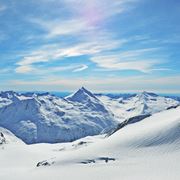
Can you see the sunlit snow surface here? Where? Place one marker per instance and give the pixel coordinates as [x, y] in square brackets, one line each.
[149, 150]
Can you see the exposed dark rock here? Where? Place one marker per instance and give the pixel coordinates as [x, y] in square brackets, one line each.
[127, 122]
[88, 161]
[106, 159]
[172, 107]
[2, 138]
[44, 163]
[100, 159]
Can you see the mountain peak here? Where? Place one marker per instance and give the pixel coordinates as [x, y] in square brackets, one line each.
[81, 95]
[146, 96]
[145, 93]
[83, 88]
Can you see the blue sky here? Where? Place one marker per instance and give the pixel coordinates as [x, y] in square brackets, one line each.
[104, 45]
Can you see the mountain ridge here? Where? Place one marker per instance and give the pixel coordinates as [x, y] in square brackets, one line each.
[47, 118]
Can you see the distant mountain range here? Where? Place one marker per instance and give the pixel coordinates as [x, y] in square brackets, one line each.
[144, 103]
[42, 117]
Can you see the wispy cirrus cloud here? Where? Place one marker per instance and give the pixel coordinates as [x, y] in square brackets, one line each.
[87, 26]
[54, 28]
[82, 68]
[95, 11]
[100, 52]
[128, 60]
[55, 52]
[40, 70]
[25, 69]
[82, 17]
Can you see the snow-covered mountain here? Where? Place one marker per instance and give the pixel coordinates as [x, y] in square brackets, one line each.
[87, 99]
[140, 104]
[45, 118]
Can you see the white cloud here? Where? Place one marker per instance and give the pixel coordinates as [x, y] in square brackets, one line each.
[54, 52]
[34, 58]
[127, 60]
[55, 28]
[24, 69]
[82, 68]
[97, 10]
[84, 22]
[137, 52]
[40, 70]
[98, 50]
[82, 17]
